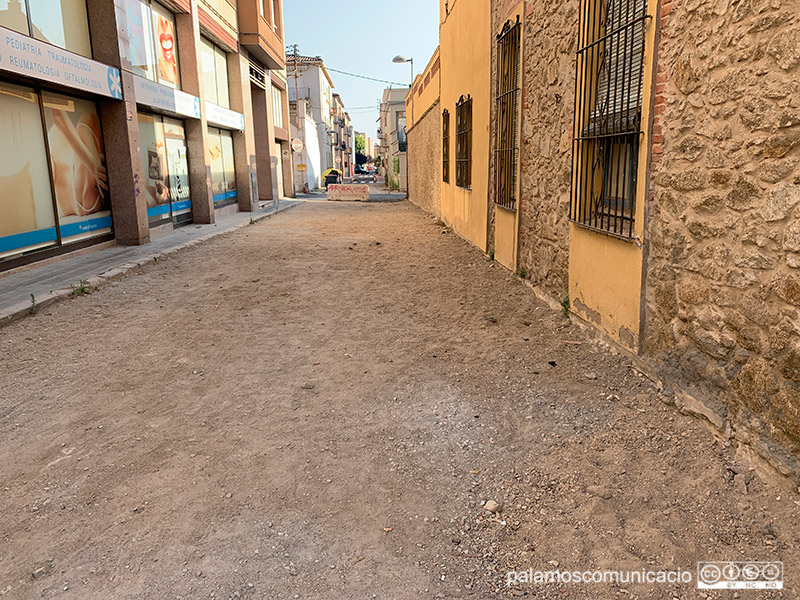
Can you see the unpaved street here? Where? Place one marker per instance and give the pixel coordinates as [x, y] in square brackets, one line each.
[316, 406]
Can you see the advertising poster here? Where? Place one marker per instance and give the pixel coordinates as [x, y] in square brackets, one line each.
[137, 35]
[77, 158]
[154, 166]
[143, 59]
[178, 167]
[165, 42]
[217, 166]
[26, 202]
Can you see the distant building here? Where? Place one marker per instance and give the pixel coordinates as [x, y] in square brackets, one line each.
[342, 138]
[311, 85]
[392, 137]
[369, 145]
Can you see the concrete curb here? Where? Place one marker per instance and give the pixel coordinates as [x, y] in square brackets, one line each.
[24, 309]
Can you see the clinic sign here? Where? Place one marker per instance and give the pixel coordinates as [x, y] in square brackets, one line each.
[152, 94]
[223, 117]
[24, 55]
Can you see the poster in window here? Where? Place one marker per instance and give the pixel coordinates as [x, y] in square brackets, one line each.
[178, 166]
[165, 40]
[216, 160]
[137, 36]
[26, 202]
[77, 159]
[154, 166]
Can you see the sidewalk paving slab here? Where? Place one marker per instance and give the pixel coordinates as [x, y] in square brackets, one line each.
[53, 281]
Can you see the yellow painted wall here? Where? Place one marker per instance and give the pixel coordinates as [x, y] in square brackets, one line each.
[605, 274]
[505, 239]
[426, 95]
[605, 283]
[465, 52]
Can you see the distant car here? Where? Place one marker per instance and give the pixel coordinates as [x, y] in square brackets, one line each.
[360, 170]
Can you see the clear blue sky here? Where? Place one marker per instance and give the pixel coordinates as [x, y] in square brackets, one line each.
[362, 38]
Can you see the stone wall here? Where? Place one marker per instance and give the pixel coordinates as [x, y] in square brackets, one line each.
[723, 230]
[550, 33]
[425, 161]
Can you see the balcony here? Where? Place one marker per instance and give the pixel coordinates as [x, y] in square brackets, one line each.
[259, 36]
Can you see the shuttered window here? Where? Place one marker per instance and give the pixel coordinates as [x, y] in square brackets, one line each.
[619, 88]
[446, 146]
[464, 142]
[608, 114]
[507, 117]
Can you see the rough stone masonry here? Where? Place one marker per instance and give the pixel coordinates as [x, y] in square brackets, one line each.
[722, 233]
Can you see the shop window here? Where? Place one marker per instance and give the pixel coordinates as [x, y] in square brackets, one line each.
[446, 146]
[166, 172]
[223, 172]
[77, 163]
[153, 46]
[15, 16]
[63, 23]
[215, 73]
[507, 121]
[54, 182]
[26, 198]
[277, 106]
[610, 70]
[464, 142]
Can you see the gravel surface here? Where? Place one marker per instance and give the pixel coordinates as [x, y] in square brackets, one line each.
[349, 401]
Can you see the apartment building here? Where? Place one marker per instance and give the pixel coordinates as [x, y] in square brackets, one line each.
[392, 138]
[638, 163]
[126, 118]
[342, 138]
[311, 89]
[369, 144]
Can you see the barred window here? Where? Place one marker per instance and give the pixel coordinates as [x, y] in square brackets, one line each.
[446, 146]
[507, 123]
[464, 142]
[608, 114]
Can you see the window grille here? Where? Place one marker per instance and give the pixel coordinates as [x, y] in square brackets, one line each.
[464, 142]
[446, 146]
[608, 114]
[507, 124]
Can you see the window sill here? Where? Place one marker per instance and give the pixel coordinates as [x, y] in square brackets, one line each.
[611, 234]
[509, 209]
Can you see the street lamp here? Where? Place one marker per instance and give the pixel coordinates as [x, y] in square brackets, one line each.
[399, 59]
[402, 59]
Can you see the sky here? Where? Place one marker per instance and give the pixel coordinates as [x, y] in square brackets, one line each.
[362, 38]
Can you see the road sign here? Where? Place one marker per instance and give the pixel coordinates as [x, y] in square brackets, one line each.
[301, 167]
[297, 145]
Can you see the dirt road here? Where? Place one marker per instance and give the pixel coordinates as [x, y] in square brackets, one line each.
[317, 406]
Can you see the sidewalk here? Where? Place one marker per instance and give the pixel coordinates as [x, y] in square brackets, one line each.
[53, 281]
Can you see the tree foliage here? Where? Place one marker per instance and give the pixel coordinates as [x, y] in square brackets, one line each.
[361, 144]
